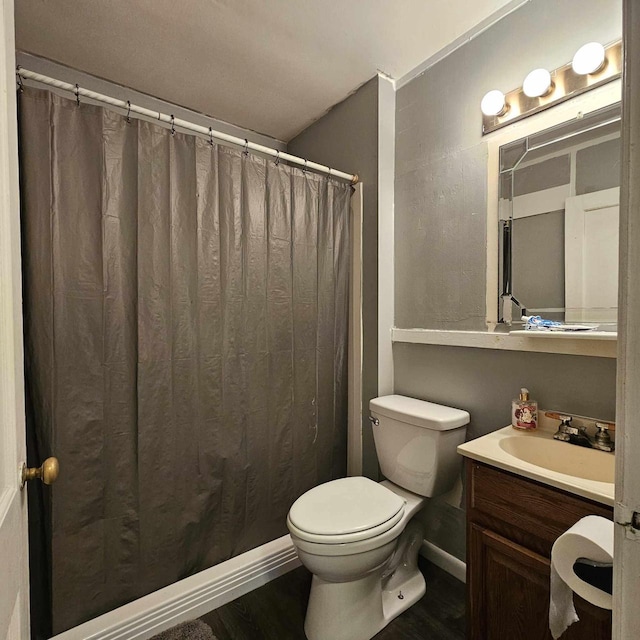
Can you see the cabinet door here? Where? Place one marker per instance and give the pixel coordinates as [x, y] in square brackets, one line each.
[509, 594]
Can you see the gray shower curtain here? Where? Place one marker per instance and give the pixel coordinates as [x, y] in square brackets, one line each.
[186, 311]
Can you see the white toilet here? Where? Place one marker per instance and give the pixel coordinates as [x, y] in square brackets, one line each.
[355, 535]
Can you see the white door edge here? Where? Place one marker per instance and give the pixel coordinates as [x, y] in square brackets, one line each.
[14, 569]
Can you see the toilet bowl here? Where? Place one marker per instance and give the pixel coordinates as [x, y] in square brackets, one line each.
[358, 537]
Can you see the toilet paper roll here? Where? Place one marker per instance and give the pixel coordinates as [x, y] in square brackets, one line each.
[562, 613]
[591, 538]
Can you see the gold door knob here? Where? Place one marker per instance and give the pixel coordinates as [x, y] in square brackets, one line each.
[48, 472]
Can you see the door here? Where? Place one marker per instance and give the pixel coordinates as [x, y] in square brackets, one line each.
[591, 256]
[14, 583]
[626, 551]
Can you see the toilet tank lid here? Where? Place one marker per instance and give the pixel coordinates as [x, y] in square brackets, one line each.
[419, 412]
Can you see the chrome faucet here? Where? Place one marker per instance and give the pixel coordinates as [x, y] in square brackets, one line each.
[603, 439]
[565, 430]
[574, 435]
[579, 436]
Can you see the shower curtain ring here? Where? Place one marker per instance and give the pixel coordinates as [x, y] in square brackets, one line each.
[277, 162]
[211, 136]
[19, 80]
[128, 112]
[246, 147]
[173, 125]
[329, 173]
[304, 169]
[77, 92]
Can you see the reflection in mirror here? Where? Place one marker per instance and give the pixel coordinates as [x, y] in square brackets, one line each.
[559, 207]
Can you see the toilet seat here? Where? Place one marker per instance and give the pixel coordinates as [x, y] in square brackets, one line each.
[345, 511]
[348, 548]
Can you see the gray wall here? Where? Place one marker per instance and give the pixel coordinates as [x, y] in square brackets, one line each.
[440, 218]
[347, 138]
[598, 167]
[483, 382]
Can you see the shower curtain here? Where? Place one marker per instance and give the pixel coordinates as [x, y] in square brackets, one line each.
[186, 311]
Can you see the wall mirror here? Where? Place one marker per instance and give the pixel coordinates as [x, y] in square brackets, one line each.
[558, 211]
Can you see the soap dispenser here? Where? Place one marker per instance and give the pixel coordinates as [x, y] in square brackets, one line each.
[524, 412]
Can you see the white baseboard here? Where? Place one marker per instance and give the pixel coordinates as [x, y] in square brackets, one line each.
[444, 560]
[192, 597]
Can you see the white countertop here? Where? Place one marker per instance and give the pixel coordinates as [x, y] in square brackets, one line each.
[493, 448]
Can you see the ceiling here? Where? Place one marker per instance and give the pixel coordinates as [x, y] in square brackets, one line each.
[271, 66]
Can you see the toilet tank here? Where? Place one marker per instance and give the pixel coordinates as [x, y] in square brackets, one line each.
[416, 442]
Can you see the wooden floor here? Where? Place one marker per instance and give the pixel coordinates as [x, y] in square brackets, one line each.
[276, 611]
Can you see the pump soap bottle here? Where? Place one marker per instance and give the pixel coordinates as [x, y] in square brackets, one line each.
[524, 412]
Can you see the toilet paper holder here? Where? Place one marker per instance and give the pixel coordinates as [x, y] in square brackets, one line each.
[597, 574]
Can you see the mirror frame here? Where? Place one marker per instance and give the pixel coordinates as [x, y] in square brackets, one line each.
[585, 103]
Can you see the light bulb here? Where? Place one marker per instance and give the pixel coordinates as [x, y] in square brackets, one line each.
[588, 59]
[537, 83]
[493, 103]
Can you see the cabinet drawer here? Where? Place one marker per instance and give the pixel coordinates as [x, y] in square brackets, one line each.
[534, 509]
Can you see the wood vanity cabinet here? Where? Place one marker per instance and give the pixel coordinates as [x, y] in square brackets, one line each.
[512, 523]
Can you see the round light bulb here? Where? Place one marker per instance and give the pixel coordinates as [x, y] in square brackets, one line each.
[588, 59]
[537, 83]
[493, 103]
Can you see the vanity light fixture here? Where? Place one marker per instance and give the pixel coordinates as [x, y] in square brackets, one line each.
[537, 84]
[589, 59]
[494, 103]
[592, 66]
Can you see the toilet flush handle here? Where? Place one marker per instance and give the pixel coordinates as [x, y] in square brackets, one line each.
[374, 421]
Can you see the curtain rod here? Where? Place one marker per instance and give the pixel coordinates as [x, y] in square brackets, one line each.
[184, 124]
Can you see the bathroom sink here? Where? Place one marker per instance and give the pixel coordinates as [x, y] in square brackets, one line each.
[562, 457]
[536, 455]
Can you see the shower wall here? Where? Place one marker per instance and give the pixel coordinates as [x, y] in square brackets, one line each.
[186, 311]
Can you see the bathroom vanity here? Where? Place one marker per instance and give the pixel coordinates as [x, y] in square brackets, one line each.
[515, 512]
